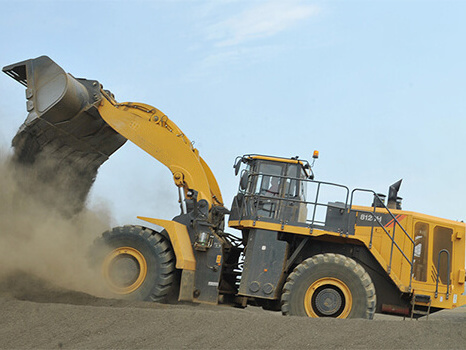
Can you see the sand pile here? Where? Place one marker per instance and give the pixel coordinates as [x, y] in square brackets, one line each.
[50, 317]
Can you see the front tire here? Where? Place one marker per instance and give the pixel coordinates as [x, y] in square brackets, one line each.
[329, 285]
[137, 263]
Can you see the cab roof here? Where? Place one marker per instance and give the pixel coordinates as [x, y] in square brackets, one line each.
[292, 160]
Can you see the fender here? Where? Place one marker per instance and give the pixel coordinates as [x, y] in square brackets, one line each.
[180, 241]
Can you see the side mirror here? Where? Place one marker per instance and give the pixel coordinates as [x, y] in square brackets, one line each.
[243, 183]
[237, 165]
[309, 172]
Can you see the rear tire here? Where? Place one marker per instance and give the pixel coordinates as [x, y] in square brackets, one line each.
[329, 285]
[137, 263]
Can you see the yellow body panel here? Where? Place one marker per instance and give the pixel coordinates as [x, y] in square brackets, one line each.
[381, 249]
[180, 241]
[156, 134]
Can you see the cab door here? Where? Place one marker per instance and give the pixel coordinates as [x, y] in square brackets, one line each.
[433, 257]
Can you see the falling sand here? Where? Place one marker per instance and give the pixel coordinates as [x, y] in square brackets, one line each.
[37, 238]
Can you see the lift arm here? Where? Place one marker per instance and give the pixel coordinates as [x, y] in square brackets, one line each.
[155, 133]
[79, 124]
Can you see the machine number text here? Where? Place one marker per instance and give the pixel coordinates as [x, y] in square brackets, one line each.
[370, 217]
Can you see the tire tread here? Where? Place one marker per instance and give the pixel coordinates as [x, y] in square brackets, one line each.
[161, 289]
[330, 258]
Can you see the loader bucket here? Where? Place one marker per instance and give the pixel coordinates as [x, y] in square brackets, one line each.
[64, 139]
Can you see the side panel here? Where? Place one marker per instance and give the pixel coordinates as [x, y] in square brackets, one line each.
[263, 265]
[208, 273]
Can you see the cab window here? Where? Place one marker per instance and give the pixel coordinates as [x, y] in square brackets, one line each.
[268, 180]
[421, 240]
[291, 186]
[442, 241]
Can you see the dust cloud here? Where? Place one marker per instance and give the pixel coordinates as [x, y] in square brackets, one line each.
[38, 239]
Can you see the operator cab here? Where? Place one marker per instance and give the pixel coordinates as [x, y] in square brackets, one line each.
[271, 189]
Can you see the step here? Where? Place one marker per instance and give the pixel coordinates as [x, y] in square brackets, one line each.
[421, 299]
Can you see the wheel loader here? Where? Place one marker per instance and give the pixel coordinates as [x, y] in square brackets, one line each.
[300, 245]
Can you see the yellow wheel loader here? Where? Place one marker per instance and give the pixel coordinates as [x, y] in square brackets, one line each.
[303, 246]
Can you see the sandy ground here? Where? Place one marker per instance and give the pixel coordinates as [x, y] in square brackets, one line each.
[38, 315]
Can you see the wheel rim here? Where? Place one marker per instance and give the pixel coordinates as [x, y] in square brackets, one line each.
[328, 297]
[125, 269]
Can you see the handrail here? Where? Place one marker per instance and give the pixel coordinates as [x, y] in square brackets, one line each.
[392, 237]
[281, 199]
[384, 207]
[348, 204]
[438, 272]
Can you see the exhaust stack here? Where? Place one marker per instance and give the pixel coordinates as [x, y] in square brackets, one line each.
[394, 202]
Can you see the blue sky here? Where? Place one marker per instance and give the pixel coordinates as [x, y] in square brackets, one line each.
[378, 87]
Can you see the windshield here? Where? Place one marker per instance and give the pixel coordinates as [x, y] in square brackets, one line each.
[268, 181]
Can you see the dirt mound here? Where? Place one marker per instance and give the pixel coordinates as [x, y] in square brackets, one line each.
[30, 325]
[23, 286]
[40, 314]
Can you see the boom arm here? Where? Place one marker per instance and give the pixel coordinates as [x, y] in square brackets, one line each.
[80, 125]
[156, 134]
